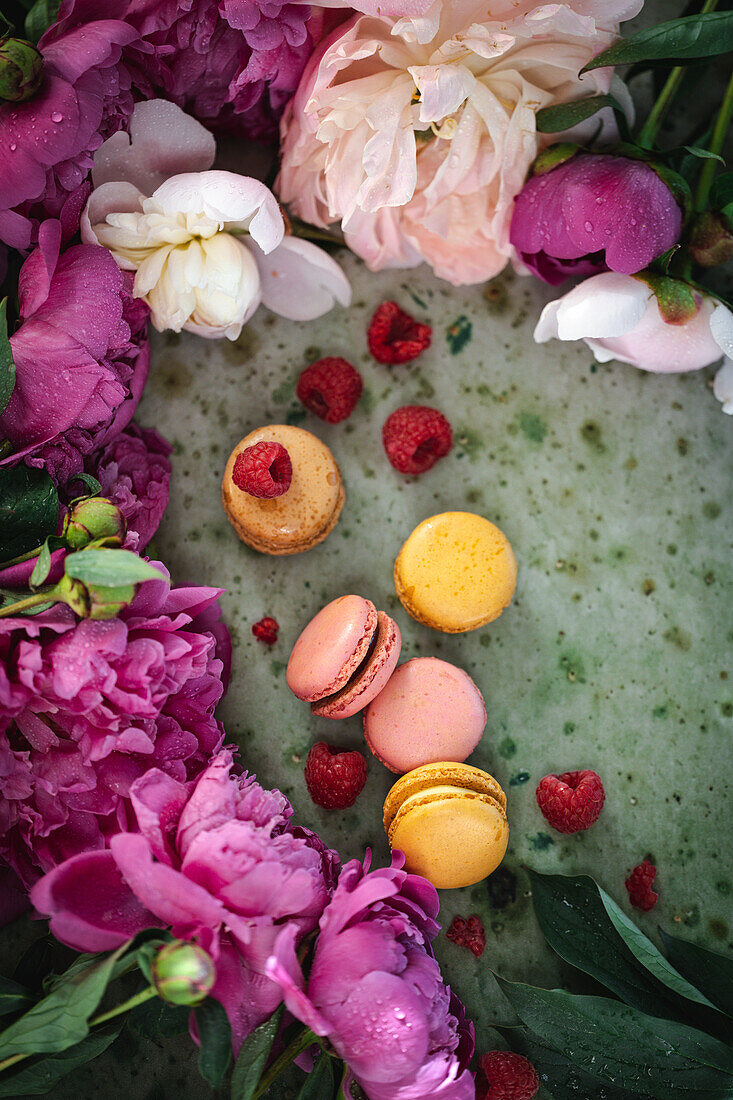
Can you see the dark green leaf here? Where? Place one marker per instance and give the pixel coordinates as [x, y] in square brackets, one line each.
[60, 1019]
[7, 365]
[146, 954]
[29, 510]
[109, 568]
[39, 1078]
[216, 1041]
[13, 997]
[678, 40]
[711, 972]
[321, 1081]
[558, 1074]
[94, 486]
[620, 1046]
[662, 262]
[551, 120]
[42, 957]
[722, 191]
[42, 567]
[157, 1020]
[40, 17]
[253, 1057]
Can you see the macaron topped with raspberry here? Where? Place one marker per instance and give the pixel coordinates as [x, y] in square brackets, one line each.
[282, 490]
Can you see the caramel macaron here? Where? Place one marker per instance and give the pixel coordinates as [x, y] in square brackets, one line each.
[450, 822]
[303, 516]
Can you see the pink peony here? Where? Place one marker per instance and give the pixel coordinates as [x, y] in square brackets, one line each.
[47, 142]
[134, 472]
[217, 861]
[87, 707]
[417, 133]
[594, 204]
[81, 356]
[376, 990]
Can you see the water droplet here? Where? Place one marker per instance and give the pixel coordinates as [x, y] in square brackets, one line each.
[589, 227]
[13, 146]
[56, 116]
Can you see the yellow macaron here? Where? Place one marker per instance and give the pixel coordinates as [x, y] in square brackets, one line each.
[455, 572]
[450, 821]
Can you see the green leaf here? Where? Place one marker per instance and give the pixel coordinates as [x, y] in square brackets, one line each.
[157, 1020]
[40, 17]
[94, 486]
[7, 364]
[216, 1041]
[678, 40]
[39, 1078]
[29, 510]
[711, 972]
[42, 567]
[60, 1019]
[13, 996]
[619, 1046]
[703, 154]
[109, 568]
[253, 1057]
[551, 120]
[557, 1073]
[722, 191]
[321, 1081]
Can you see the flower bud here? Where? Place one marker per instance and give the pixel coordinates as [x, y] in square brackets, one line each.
[183, 973]
[21, 69]
[93, 518]
[711, 240]
[93, 601]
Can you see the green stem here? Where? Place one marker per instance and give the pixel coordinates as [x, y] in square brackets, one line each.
[301, 1042]
[44, 596]
[21, 558]
[11, 1061]
[717, 141]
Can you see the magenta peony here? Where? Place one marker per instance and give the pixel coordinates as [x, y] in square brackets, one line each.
[594, 203]
[47, 142]
[217, 861]
[81, 356]
[375, 988]
[134, 472]
[88, 707]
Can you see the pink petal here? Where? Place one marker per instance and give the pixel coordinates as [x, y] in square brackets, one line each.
[158, 800]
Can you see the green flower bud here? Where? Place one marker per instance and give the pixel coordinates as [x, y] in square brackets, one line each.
[74, 594]
[21, 69]
[94, 518]
[93, 601]
[183, 973]
[711, 240]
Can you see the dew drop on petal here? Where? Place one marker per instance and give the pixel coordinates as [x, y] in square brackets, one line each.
[56, 116]
[589, 227]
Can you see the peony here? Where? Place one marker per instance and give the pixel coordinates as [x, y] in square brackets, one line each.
[617, 208]
[47, 142]
[218, 862]
[417, 133]
[206, 246]
[80, 354]
[375, 989]
[134, 472]
[723, 384]
[619, 317]
[88, 707]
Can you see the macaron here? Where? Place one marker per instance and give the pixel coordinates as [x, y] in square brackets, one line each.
[450, 822]
[456, 572]
[429, 710]
[303, 516]
[344, 657]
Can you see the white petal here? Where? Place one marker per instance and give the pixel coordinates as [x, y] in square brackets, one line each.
[546, 328]
[443, 89]
[723, 386]
[300, 281]
[602, 306]
[110, 198]
[721, 327]
[231, 200]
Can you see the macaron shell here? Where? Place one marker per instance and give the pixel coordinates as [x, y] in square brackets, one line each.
[429, 711]
[300, 518]
[371, 678]
[331, 648]
[455, 572]
[442, 773]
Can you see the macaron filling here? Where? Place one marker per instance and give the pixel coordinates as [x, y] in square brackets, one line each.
[431, 795]
[369, 677]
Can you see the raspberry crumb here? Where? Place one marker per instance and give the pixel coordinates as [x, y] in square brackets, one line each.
[572, 801]
[334, 778]
[468, 932]
[263, 470]
[504, 1075]
[396, 337]
[266, 630]
[330, 388]
[415, 437]
[639, 885]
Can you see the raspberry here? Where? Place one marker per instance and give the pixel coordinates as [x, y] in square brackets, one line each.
[508, 1076]
[415, 437]
[396, 337]
[263, 470]
[572, 801]
[639, 885]
[330, 388]
[468, 932]
[334, 779]
[266, 630]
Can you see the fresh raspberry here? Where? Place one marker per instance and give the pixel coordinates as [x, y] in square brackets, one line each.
[415, 437]
[572, 801]
[330, 388]
[507, 1076]
[468, 932]
[396, 337]
[639, 885]
[334, 779]
[266, 630]
[263, 470]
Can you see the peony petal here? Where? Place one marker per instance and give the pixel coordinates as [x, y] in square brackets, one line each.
[605, 305]
[283, 967]
[723, 386]
[158, 800]
[233, 201]
[721, 327]
[300, 281]
[110, 198]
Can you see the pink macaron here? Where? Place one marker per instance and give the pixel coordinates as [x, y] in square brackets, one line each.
[429, 711]
[344, 657]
